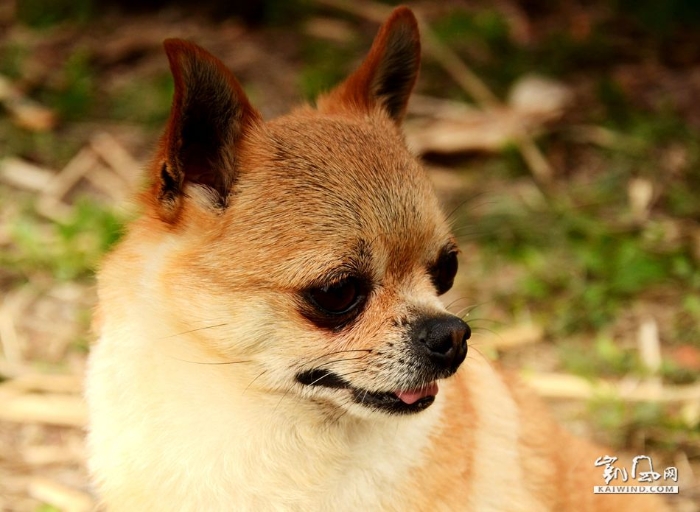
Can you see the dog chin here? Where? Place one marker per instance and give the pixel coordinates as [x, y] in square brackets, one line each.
[401, 401]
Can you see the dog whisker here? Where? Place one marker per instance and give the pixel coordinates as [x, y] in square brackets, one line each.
[339, 375]
[252, 381]
[336, 352]
[468, 229]
[193, 330]
[342, 360]
[282, 398]
[458, 299]
[483, 319]
[472, 201]
[468, 309]
[364, 396]
[480, 330]
[215, 362]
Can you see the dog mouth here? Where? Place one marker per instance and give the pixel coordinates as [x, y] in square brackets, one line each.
[401, 401]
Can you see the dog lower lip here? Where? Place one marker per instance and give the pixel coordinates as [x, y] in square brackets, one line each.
[397, 402]
[391, 402]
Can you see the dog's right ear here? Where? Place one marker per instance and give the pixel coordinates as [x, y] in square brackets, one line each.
[388, 73]
[209, 115]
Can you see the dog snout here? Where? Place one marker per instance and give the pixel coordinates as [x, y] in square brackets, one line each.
[443, 340]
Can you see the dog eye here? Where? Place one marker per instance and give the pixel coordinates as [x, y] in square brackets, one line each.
[339, 298]
[443, 272]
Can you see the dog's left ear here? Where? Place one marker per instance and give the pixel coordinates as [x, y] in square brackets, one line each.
[388, 73]
[209, 117]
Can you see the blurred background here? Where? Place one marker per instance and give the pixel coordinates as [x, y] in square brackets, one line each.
[562, 137]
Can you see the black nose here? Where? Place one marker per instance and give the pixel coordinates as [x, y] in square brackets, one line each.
[444, 340]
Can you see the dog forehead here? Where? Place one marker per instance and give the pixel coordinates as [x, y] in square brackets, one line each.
[356, 170]
[362, 147]
[313, 181]
[353, 161]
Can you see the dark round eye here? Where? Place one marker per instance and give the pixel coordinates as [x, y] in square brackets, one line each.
[444, 271]
[338, 298]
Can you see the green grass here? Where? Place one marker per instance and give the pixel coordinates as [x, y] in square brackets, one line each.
[326, 64]
[12, 59]
[64, 251]
[603, 358]
[581, 265]
[74, 94]
[43, 14]
[47, 508]
[641, 425]
[145, 102]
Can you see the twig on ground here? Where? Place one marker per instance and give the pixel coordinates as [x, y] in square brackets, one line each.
[516, 336]
[50, 203]
[117, 158]
[47, 455]
[45, 382]
[558, 385]
[60, 496]
[51, 409]
[22, 174]
[108, 182]
[649, 345]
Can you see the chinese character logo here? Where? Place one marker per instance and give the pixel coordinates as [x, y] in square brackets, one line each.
[642, 470]
[644, 476]
[610, 472]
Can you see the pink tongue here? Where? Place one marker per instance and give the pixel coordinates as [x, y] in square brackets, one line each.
[412, 396]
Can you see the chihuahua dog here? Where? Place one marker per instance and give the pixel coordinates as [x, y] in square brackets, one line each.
[270, 332]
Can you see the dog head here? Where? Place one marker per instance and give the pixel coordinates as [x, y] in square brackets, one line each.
[312, 243]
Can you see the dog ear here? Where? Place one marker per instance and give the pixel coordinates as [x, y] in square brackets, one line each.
[209, 115]
[388, 73]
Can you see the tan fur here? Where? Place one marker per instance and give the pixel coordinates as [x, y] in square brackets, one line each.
[192, 392]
